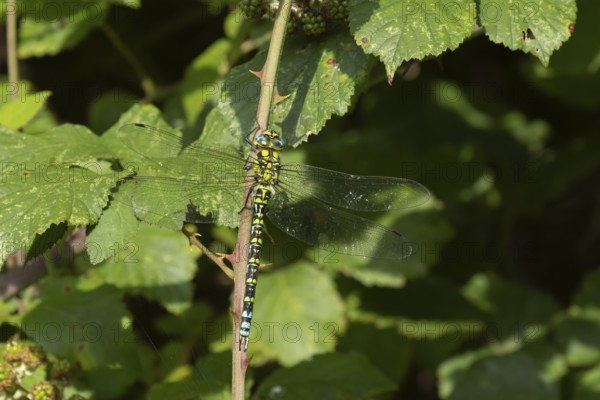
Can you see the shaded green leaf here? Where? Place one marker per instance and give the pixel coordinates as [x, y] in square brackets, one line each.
[587, 300]
[411, 310]
[155, 263]
[478, 375]
[319, 77]
[332, 376]
[42, 122]
[52, 28]
[201, 80]
[587, 386]
[516, 313]
[46, 240]
[209, 380]
[400, 30]
[128, 3]
[392, 354]
[62, 323]
[427, 231]
[580, 340]
[107, 108]
[536, 27]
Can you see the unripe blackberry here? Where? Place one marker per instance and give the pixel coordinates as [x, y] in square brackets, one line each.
[252, 9]
[312, 23]
[42, 391]
[337, 9]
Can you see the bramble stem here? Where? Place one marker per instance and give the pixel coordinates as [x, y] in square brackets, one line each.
[268, 76]
[205, 251]
[11, 46]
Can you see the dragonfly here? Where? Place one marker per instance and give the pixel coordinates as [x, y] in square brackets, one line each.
[200, 183]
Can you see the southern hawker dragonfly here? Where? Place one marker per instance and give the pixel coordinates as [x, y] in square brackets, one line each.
[202, 184]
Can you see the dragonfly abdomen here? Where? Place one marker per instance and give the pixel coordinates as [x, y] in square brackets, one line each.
[260, 199]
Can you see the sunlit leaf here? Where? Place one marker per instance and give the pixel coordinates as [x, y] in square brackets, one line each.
[537, 27]
[400, 30]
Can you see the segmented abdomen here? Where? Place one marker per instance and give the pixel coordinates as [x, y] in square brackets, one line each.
[261, 197]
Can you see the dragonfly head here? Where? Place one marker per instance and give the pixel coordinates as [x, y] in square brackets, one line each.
[269, 139]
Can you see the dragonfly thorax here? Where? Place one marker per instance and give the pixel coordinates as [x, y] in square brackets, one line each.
[267, 163]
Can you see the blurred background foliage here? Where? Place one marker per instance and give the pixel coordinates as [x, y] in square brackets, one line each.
[499, 301]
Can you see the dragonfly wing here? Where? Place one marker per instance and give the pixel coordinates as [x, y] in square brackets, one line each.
[149, 141]
[195, 184]
[354, 192]
[165, 151]
[334, 230]
[169, 202]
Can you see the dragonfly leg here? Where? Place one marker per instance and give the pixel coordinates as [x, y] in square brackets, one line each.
[264, 265]
[256, 128]
[246, 206]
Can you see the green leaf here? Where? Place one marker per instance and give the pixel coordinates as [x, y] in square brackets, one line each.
[580, 340]
[451, 371]
[194, 322]
[332, 376]
[579, 57]
[201, 80]
[210, 380]
[393, 352]
[319, 77]
[411, 310]
[112, 380]
[37, 375]
[46, 240]
[435, 328]
[515, 311]
[136, 4]
[16, 113]
[107, 108]
[423, 226]
[291, 322]
[586, 303]
[62, 323]
[587, 386]
[481, 375]
[155, 202]
[42, 122]
[400, 30]
[113, 232]
[538, 27]
[157, 264]
[159, 202]
[146, 114]
[53, 27]
[46, 182]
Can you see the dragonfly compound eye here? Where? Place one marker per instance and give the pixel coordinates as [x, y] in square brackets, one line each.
[278, 144]
[262, 140]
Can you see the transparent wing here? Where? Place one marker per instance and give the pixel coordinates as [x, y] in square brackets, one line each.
[165, 150]
[169, 202]
[334, 230]
[354, 192]
[198, 184]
